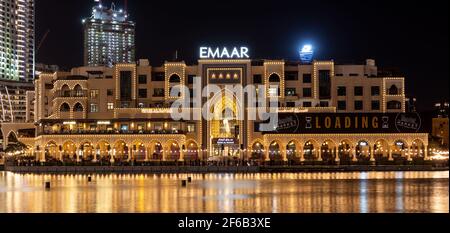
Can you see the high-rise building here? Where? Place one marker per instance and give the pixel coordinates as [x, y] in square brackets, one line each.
[17, 40]
[16, 102]
[441, 109]
[109, 37]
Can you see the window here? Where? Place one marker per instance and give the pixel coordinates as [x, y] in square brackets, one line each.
[290, 104]
[158, 77]
[307, 92]
[125, 85]
[273, 91]
[375, 105]
[124, 127]
[110, 92]
[342, 105]
[375, 91]
[307, 104]
[324, 84]
[158, 92]
[257, 79]
[174, 79]
[324, 104]
[290, 92]
[79, 91]
[291, 75]
[142, 93]
[307, 78]
[142, 79]
[191, 128]
[359, 91]
[110, 106]
[394, 105]
[359, 105]
[191, 79]
[124, 105]
[94, 108]
[393, 90]
[342, 91]
[94, 94]
[78, 108]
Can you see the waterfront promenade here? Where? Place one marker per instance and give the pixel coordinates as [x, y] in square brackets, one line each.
[212, 169]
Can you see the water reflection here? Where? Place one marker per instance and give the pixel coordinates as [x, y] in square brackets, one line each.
[360, 192]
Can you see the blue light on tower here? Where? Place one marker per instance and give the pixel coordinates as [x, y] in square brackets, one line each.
[307, 53]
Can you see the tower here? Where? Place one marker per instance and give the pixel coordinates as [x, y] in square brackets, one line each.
[109, 37]
[17, 42]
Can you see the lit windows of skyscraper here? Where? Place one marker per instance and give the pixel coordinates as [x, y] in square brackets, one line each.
[17, 40]
[108, 37]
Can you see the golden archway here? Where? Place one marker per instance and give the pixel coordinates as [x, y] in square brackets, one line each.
[225, 117]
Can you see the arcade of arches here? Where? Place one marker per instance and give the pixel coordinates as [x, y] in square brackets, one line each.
[76, 149]
[326, 148]
[341, 148]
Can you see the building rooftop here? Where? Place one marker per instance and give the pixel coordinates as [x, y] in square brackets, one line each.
[103, 13]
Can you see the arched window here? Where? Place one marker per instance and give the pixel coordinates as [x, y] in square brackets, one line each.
[174, 79]
[274, 78]
[64, 107]
[78, 91]
[394, 105]
[65, 91]
[78, 108]
[12, 138]
[393, 90]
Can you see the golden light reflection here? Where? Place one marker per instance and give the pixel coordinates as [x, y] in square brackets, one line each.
[377, 192]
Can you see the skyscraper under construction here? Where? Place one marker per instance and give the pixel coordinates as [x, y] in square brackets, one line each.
[109, 37]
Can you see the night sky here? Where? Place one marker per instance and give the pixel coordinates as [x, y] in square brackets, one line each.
[412, 36]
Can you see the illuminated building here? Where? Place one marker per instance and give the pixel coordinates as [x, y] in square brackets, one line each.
[440, 123]
[16, 102]
[109, 37]
[17, 40]
[344, 112]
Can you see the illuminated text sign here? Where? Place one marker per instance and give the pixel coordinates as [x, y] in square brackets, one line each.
[224, 53]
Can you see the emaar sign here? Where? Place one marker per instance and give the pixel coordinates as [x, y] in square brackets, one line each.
[224, 53]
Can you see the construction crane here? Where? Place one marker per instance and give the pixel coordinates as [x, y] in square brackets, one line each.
[42, 40]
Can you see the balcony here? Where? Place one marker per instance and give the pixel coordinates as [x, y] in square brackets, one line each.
[71, 94]
[109, 132]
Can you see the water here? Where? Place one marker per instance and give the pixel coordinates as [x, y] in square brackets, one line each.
[358, 192]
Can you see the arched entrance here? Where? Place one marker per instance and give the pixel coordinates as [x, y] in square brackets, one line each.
[69, 151]
[275, 151]
[139, 152]
[309, 150]
[293, 151]
[191, 152]
[156, 151]
[328, 152]
[225, 126]
[399, 150]
[120, 151]
[257, 153]
[381, 150]
[88, 151]
[417, 150]
[345, 152]
[174, 151]
[363, 151]
[52, 151]
[103, 152]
